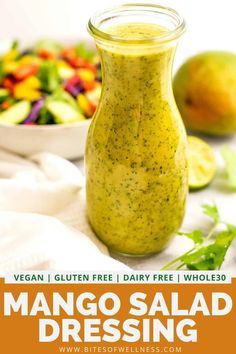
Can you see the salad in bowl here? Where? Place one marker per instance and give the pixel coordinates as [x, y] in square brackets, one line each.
[48, 93]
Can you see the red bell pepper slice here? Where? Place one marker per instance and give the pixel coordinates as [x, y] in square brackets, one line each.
[24, 71]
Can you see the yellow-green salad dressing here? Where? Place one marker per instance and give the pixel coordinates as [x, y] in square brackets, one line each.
[136, 164]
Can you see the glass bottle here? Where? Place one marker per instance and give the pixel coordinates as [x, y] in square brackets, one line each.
[136, 164]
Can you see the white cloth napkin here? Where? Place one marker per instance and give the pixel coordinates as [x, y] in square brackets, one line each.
[42, 217]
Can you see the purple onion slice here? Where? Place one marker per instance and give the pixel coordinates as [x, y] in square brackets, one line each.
[32, 117]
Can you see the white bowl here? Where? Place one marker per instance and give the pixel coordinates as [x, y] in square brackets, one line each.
[65, 140]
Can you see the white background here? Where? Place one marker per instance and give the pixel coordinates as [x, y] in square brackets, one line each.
[211, 23]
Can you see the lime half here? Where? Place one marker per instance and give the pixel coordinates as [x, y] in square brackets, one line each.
[202, 163]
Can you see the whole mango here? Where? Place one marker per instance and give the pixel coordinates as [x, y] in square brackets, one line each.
[205, 93]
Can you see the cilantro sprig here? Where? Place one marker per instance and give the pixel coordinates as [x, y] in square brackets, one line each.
[209, 251]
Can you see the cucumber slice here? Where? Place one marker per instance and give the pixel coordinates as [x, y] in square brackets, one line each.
[16, 113]
[4, 93]
[202, 163]
[64, 113]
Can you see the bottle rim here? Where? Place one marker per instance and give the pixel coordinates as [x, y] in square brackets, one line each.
[111, 13]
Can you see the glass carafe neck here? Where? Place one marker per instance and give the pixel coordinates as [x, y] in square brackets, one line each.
[137, 44]
[100, 24]
[147, 71]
